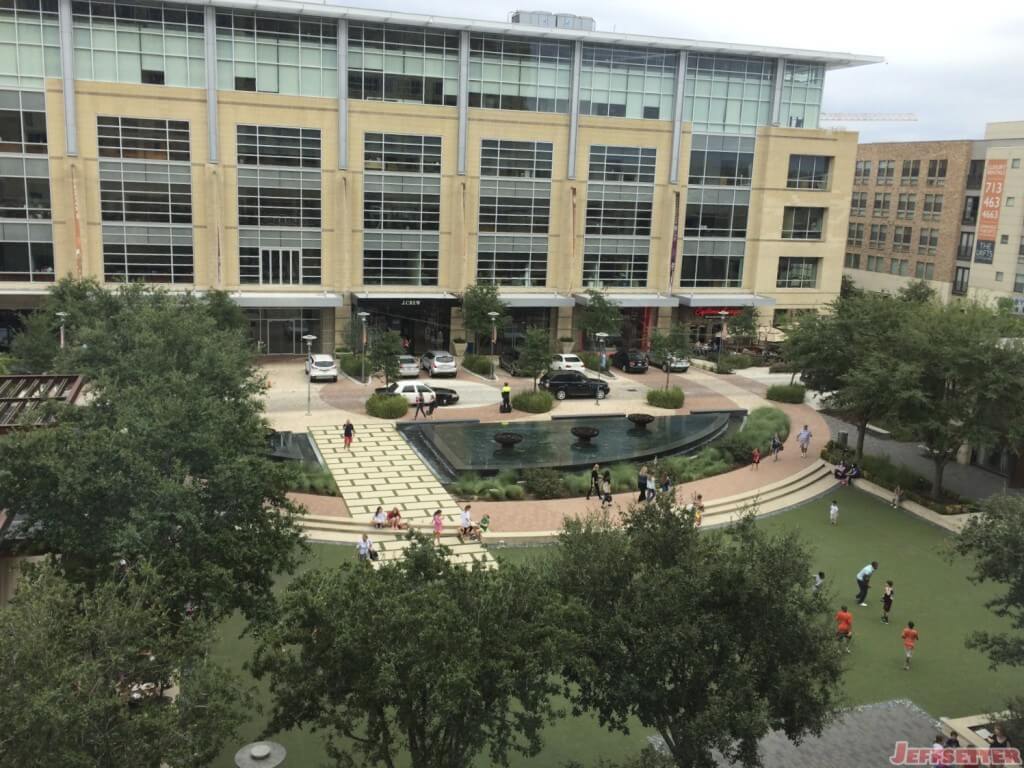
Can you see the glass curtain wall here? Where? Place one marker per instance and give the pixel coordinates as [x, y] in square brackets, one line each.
[802, 86]
[29, 43]
[279, 205]
[405, 64]
[728, 94]
[627, 82]
[518, 73]
[515, 212]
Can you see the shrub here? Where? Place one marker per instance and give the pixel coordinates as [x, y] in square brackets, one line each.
[495, 494]
[787, 393]
[591, 360]
[723, 367]
[467, 485]
[478, 364]
[665, 398]
[576, 484]
[544, 483]
[624, 477]
[386, 406]
[351, 363]
[533, 402]
[761, 424]
[515, 493]
[782, 368]
[314, 479]
[737, 360]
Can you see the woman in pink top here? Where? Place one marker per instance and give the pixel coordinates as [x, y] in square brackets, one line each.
[438, 526]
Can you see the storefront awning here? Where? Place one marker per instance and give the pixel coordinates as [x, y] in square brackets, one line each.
[528, 300]
[422, 296]
[724, 300]
[634, 299]
[259, 300]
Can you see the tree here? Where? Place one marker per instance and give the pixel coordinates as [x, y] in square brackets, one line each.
[917, 291]
[383, 354]
[600, 314]
[69, 659]
[421, 656]
[477, 302]
[713, 641]
[675, 343]
[848, 288]
[535, 354]
[743, 326]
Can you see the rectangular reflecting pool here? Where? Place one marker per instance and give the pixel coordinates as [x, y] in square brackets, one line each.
[456, 447]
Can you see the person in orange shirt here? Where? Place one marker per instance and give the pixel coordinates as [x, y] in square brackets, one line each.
[844, 626]
[909, 641]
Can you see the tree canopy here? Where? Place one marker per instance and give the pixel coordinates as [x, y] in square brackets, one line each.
[535, 353]
[383, 354]
[478, 301]
[675, 343]
[600, 314]
[743, 326]
[712, 640]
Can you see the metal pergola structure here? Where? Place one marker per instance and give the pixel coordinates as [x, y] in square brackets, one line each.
[23, 399]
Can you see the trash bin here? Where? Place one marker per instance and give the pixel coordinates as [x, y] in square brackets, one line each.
[842, 438]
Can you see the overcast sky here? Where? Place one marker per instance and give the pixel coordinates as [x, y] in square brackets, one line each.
[956, 65]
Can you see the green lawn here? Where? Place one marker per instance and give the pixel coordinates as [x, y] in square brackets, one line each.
[931, 589]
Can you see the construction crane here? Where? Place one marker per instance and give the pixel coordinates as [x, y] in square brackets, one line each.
[868, 117]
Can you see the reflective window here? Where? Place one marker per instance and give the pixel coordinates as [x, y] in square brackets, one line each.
[797, 272]
[627, 82]
[803, 223]
[802, 85]
[878, 236]
[728, 94]
[726, 161]
[29, 43]
[883, 200]
[277, 54]
[808, 172]
[855, 234]
[852, 261]
[26, 252]
[937, 173]
[911, 172]
[716, 212]
[928, 241]
[151, 254]
[862, 172]
[387, 63]
[712, 263]
[902, 237]
[279, 256]
[519, 73]
[139, 43]
[906, 204]
[886, 171]
[858, 203]
[932, 207]
[925, 270]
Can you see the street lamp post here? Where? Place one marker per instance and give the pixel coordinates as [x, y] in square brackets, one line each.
[62, 316]
[601, 337]
[721, 336]
[494, 337]
[363, 316]
[309, 338]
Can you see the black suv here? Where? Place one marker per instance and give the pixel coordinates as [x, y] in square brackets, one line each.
[632, 361]
[563, 384]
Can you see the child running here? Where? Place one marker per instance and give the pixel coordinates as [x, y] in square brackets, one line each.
[833, 512]
[348, 431]
[909, 641]
[887, 601]
[755, 458]
[438, 527]
[844, 626]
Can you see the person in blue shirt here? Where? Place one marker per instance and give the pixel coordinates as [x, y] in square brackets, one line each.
[864, 582]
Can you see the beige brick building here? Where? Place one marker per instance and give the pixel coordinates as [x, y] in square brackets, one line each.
[319, 162]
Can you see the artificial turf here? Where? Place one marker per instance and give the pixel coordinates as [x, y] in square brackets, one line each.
[932, 589]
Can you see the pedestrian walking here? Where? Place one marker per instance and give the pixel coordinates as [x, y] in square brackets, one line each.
[438, 526]
[595, 481]
[887, 594]
[641, 483]
[420, 409]
[864, 582]
[506, 398]
[844, 626]
[365, 549]
[909, 636]
[606, 489]
[755, 458]
[833, 512]
[819, 582]
[897, 497]
[698, 510]
[776, 445]
[348, 432]
[804, 438]
[651, 486]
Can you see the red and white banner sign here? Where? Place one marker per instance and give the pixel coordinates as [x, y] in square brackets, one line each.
[991, 200]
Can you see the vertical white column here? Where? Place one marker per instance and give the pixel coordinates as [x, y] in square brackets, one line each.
[463, 99]
[67, 69]
[574, 107]
[780, 73]
[210, 38]
[677, 119]
[342, 94]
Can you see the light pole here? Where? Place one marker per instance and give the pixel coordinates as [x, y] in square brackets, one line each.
[601, 337]
[260, 754]
[363, 316]
[309, 338]
[494, 337]
[62, 316]
[721, 336]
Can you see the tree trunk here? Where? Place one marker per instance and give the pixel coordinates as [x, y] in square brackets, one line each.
[862, 428]
[940, 461]
[668, 371]
[792, 378]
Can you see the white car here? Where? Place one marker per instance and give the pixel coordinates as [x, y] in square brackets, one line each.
[408, 366]
[409, 390]
[567, 363]
[437, 362]
[321, 367]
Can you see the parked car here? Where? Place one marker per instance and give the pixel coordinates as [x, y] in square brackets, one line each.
[671, 363]
[409, 390]
[630, 361]
[321, 367]
[408, 366]
[509, 361]
[437, 362]
[567, 363]
[563, 384]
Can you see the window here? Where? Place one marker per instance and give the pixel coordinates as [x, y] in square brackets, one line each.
[862, 172]
[401, 209]
[1004, 239]
[899, 267]
[712, 263]
[966, 247]
[147, 254]
[855, 234]
[879, 235]
[24, 188]
[26, 252]
[928, 241]
[932, 207]
[404, 64]
[149, 43]
[725, 161]
[961, 280]
[852, 260]
[808, 172]
[936, 173]
[716, 213]
[802, 85]
[906, 204]
[519, 73]
[970, 214]
[728, 94]
[976, 174]
[29, 44]
[1020, 248]
[999, 277]
[515, 203]
[1010, 202]
[139, 139]
[1018, 283]
[902, 238]
[876, 263]
[1015, 163]
[882, 201]
[924, 270]
[858, 203]
[294, 55]
[886, 171]
[627, 82]
[622, 164]
[797, 273]
[911, 172]
[803, 223]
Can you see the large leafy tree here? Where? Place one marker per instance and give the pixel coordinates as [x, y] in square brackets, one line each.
[477, 302]
[675, 343]
[535, 354]
[70, 659]
[743, 326]
[384, 351]
[712, 640]
[600, 314]
[421, 656]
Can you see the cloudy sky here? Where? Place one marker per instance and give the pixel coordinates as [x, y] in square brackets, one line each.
[956, 65]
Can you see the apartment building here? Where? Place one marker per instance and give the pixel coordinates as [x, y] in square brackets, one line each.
[941, 211]
[325, 165]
